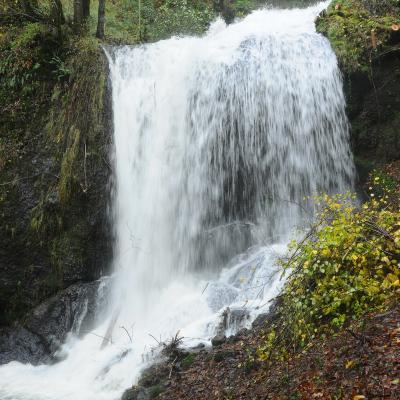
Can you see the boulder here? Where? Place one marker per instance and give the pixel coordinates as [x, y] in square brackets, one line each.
[40, 334]
[218, 340]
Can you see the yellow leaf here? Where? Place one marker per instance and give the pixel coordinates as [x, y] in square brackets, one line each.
[349, 364]
[392, 278]
[326, 252]
[385, 260]
[358, 397]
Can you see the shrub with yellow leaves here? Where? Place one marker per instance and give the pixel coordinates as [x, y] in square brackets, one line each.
[347, 264]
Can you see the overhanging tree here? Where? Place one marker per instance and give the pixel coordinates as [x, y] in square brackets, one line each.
[81, 12]
[101, 19]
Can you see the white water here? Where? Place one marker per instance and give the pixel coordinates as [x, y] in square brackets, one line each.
[217, 142]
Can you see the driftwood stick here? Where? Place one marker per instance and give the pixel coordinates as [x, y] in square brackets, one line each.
[107, 337]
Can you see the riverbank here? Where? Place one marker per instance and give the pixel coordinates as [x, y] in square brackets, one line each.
[362, 360]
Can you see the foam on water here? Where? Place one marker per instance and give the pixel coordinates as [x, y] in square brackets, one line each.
[218, 139]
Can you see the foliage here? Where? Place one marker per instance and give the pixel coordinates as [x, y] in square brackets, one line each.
[62, 71]
[360, 30]
[385, 181]
[179, 17]
[133, 21]
[347, 264]
[19, 64]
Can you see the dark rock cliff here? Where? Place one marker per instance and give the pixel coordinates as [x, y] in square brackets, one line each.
[365, 35]
[38, 337]
[55, 151]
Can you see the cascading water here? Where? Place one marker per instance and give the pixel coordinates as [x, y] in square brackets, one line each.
[218, 140]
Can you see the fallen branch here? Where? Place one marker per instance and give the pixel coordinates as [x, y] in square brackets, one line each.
[107, 337]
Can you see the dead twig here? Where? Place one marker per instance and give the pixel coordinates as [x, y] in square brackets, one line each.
[205, 288]
[130, 337]
[172, 366]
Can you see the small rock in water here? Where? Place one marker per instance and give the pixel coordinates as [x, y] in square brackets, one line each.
[197, 348]
[218, 340]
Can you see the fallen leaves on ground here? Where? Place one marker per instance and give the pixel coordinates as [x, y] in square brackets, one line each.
[360, 363]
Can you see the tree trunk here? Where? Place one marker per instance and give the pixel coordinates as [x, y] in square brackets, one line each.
[29, 6]
[101, 19]
[85, 9]
[78, 13]
[57, 16]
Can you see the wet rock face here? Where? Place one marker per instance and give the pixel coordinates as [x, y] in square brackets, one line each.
[374, 111]
[232, 320]
[55, 190]
[38, 338]
[365, 37]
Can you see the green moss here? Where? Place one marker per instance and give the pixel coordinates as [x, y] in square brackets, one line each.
[75, 129]
[188, 360]
[27, 36]
[52, 146]
[75, 121]
[155, 390]
[66, 250]
[357, 34]
[70, 157]
[45, 221]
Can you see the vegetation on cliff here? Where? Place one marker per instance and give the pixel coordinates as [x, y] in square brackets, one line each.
[54, 150]
[54, 175]
[361, 31]
[348, 264]
[365, 35]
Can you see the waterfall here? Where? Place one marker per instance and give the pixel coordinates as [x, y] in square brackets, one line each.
[219, 141]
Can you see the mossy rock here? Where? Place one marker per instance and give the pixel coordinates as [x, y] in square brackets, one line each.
[365, 35]
[359, 35]
[54, 172]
